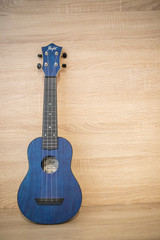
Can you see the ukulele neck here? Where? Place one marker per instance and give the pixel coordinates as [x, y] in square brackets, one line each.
[49, 128]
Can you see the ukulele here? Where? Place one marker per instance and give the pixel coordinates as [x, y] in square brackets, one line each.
[49, 193]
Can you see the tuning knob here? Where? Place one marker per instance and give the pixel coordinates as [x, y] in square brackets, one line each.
[64, 55]
[64, 65]
[39, 55]
[39, 66]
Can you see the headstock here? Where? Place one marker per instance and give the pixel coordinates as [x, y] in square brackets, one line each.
[51, 60]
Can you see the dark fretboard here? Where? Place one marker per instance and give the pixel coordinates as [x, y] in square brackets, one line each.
[49, 129]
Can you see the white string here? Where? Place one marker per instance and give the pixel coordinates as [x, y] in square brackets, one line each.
[56, 124]
[43, 135]
[42, 146]
[47, 120]
[51, 130]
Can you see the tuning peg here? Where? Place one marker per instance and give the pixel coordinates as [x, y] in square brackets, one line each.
[64, 55]
[39, 66]
[64, 65]
[39, 55]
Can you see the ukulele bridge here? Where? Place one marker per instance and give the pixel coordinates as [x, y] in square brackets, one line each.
[49, 201]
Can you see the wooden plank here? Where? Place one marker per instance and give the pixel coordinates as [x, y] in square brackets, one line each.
[76, 29]
[140, 5]
[58, 7]
[76, 7]
[138, 222]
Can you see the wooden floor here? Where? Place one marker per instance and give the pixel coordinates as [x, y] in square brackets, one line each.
[108, 108]
[129, 222]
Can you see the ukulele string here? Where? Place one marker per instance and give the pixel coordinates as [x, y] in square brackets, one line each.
[47, 113]
[43, 139]
[56, 124]
[53, 122]
[51, 127]
[41, 154]
[43, 135]
[53, 119]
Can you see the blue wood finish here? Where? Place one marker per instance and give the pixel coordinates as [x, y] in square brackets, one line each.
[51, 59]
[39, 184]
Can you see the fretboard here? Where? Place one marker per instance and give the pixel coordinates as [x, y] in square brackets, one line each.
[49, 129]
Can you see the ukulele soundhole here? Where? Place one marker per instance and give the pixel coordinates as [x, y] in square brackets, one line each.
[49, 164]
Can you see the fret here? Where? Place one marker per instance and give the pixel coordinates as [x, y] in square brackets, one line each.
[49, 121]
[50, 97]
[53, 128]
[46, 138]
[50, 103]
[52, 111]
[49, 106]
[49, 140]
[48, 117]
[50, 148]
[50, 133]
[49, 145]
[46, 121]
[52, 136]
[46, 127]
[49, 130]
[50, 125]
[46, 113]
[49, 94]
[49, 110]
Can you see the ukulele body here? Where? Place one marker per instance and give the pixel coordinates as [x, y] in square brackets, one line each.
[49, 198]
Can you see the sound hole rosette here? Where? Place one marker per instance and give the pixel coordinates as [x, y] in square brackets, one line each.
[49, 164]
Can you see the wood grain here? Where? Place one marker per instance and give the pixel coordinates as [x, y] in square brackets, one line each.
[138, 222]
[108, 97]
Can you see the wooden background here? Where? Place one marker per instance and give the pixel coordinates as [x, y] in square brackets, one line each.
[108, 104]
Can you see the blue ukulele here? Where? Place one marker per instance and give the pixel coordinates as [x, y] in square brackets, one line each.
[49, 193]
